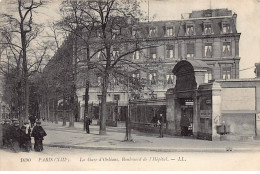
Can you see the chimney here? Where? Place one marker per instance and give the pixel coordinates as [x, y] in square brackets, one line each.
[235, 19]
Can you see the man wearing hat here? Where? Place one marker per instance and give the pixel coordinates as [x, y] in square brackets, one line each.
[6, 132]
[38, 133]
[15, 136]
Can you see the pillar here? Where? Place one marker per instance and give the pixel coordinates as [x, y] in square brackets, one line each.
[216, 110]
[196, 121]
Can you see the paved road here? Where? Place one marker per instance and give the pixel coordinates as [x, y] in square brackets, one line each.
[59, 136]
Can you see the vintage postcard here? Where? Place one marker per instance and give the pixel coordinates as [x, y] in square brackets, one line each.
[129, 85]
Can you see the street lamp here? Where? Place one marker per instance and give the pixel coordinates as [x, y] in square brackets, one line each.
[128, 136]
[3, 115]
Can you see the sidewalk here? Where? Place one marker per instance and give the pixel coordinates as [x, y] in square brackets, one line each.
[66, 137]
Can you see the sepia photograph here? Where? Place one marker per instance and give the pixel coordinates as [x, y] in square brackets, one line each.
[129, 85]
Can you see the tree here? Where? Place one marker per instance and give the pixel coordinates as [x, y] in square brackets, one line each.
[20, 31]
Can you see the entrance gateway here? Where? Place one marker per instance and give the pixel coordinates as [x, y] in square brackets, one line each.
[183, 101]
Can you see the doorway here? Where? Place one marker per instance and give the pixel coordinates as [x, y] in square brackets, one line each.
[186, 116]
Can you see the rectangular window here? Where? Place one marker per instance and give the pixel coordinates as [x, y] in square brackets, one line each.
[226, 72]
[169, 31]
[152, 32]
[135, 33]
[208, 76]
[115, 33]
[226, 49]
[115, 53]
[169, 79]
[190, 50]
[116, 97]
[100, 55]
[152, 78]
[99, 33]
[99, 97]
[225, 28]
[153, 53]
[169, 51]
[207, 29]
[190, 30]
[136, 76]
[208, 50]
[153, 96]
[99, 81]
[115, 81]
[136, 55]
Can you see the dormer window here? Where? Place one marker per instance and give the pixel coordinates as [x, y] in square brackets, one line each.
[208, 28]
[169, 31]
[226, 28]
[152, 32]
[190, 30]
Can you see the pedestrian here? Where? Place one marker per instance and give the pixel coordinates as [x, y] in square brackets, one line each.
[15, 136]
[25, 137]
[185, 123]
[6, 133]
[38, 133]
[161, 120]
[1, 134]
[32, 120]
[88, 121]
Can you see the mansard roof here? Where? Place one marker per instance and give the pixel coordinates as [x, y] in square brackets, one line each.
[195, 18]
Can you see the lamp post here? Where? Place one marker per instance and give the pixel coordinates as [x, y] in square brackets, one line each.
[3, 115]
[128, 136]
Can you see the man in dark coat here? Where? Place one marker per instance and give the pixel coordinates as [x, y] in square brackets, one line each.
[6, 133]
[38, 133]
[161, 120]
[32, 120]
[15, 136]
[25, 137]
[185, 123]
[88, 121]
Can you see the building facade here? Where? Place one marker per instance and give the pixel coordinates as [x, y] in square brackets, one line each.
[210, 36]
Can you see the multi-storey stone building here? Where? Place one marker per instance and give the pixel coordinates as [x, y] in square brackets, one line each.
[209, 36]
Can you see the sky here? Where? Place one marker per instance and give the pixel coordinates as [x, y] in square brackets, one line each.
[248, 21]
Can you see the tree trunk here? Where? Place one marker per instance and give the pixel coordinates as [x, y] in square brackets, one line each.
[72, 107]
[55, 111]
[25, 74]
[87, 88]
[64, 111]
[103, 116]
[86, 103]
[48, 110]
